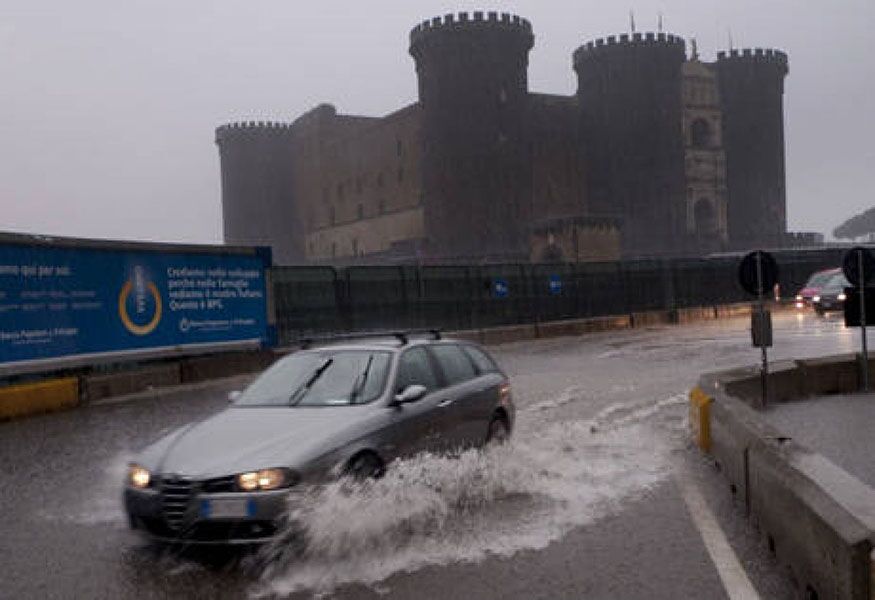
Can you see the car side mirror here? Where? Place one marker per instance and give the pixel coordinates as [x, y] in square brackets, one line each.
[234, 396]
[411, 393]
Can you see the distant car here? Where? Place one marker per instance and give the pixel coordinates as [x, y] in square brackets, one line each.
[348, 408]
[812, 288]
[832, 295]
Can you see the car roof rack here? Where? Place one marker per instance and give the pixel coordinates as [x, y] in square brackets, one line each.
[402, 335]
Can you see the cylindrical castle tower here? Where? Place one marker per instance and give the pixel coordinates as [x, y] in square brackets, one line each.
[629, 91]
[476, 158]
[258, 203]
[752, 97]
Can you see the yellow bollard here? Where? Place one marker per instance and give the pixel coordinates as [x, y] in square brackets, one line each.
[700, 418]
[34, 398]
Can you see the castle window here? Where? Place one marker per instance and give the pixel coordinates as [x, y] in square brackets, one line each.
[332, 214]
[340, 191]
[355, 247]
[333, 249]
[380, 180]
[700, 134]
[360, 211]
[382, 206]
[706, 218]
[400, 174]
[399, 148]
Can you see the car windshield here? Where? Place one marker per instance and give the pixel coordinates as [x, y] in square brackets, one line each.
[836, 283]
[324, 378]
[820, 279]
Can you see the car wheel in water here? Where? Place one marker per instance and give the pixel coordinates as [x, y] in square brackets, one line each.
[499, 432]
[365, 466]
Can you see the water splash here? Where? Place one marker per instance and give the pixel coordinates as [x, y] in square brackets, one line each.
[101, 502]
[433, 510]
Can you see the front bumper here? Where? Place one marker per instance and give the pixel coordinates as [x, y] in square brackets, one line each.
[830, 304]
[267, 514]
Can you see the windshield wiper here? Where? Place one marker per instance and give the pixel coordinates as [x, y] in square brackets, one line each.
[360, 381]
[302, 390]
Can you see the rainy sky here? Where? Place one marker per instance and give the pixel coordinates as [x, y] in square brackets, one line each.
[108, 107]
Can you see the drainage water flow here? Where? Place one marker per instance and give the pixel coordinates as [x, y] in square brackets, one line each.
[432, 510]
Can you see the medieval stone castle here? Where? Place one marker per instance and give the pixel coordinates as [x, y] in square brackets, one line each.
[657, 154]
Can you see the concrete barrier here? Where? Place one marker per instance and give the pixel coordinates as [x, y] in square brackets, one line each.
[131, 381]
[204, 368]
[684, 316]
[816, 518]
[97, 387]
[506, 334]
[830, 375]
[652, 318]
[35, 398]
[797, 501]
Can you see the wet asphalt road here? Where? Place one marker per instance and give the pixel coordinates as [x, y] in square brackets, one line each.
[63, 534]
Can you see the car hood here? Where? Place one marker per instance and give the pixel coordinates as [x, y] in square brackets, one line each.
[237, 440]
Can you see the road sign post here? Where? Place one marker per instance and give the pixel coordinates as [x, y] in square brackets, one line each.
[859, 269]
[757, 273]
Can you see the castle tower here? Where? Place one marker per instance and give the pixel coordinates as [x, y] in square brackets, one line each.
[629, 92]
[752, 96]
[476, 159]
[258, 206]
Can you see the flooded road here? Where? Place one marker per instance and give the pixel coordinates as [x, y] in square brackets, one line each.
[586, 501]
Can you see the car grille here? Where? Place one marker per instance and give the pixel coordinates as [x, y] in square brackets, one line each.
[175, 498]
[220, 485]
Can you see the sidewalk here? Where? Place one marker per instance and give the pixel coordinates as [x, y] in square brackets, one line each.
[839, 427]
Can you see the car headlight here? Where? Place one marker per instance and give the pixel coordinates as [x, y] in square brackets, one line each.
[139, 477]
[799, 298]
[265, 479]
[816, 299]
[842, 297]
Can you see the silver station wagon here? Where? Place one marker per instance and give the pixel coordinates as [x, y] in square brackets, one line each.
[348, 408]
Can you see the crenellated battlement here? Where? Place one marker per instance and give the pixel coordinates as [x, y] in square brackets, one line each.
[476, 21]
[249, 127]
[613, 43]
[754, 56]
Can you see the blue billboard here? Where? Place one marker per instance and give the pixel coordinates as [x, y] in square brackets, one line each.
[78, 302]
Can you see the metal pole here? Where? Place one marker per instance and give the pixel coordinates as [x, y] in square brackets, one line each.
[863, 321]
[764, 371]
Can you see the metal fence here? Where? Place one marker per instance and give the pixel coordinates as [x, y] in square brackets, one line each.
[311, 300]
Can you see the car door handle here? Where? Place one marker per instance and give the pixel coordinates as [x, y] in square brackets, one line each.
[445, 403]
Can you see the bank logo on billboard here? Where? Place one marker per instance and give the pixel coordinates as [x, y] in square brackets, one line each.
[139, 303]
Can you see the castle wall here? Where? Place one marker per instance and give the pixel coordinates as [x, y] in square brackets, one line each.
[476, 161]
[360, 174]
[629, 91]
[580, 239]
[678, 156]
[706, 202]
[752, 96]
[558, 171]
[259, 188]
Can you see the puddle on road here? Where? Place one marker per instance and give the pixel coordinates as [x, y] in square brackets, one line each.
[551, 478]
[557, 473]
[102, 505]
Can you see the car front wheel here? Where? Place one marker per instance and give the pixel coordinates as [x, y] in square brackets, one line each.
[365, 466]
[499, 432]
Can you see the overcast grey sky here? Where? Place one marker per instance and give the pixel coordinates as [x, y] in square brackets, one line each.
[107, 107]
